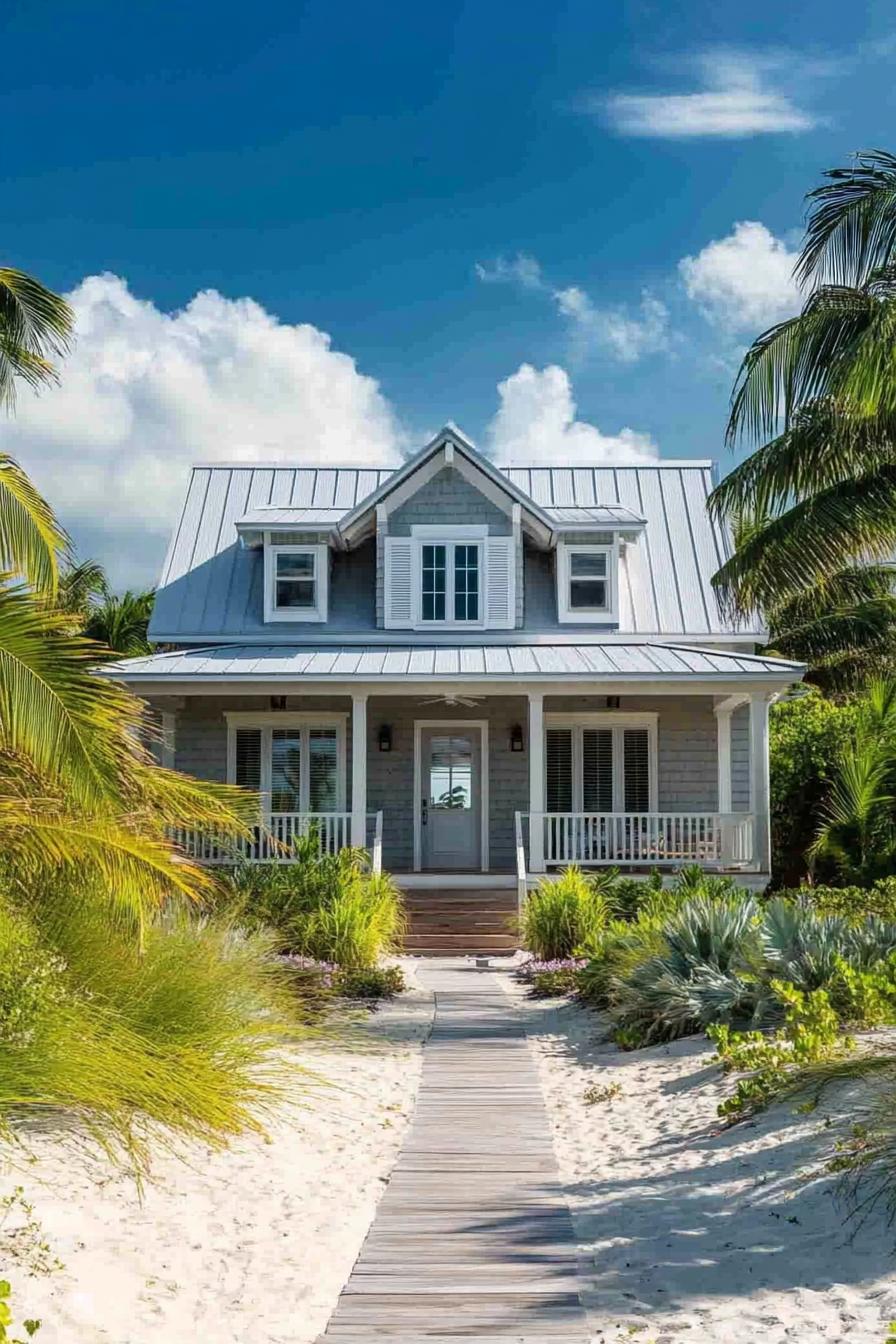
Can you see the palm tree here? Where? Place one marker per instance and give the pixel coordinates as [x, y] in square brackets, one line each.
[121, 622]
[79, 788]
[820, 389]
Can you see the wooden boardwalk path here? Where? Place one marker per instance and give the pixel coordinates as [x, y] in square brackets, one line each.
[472, 1238]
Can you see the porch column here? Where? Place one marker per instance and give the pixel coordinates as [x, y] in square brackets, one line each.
[723, 739]
[359, 771]
[759, 781]
[536, 782]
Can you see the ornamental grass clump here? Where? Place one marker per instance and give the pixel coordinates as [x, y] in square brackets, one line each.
[328, 907]
[563, 915]
[145, 1034]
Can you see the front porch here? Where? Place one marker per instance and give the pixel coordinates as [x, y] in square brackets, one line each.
[502, 787]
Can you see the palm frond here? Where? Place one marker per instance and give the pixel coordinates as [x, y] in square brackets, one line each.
[121, 623]
[31, 539]
[35, 327]
[800, 360]
[826, 443]
[821, 535]
[851, 226]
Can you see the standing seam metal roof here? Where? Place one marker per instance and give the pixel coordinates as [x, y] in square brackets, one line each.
[210, 585]
[614, 662]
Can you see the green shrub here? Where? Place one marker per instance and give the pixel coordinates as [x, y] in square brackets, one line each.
[695, 978]
[770, 1063]
[370, 982]
[6, 1318]
[325, 906]
[851, 903]
[563, 914]
[806, 736]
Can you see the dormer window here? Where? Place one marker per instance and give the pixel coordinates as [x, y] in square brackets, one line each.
[586, 583]
[295, 583]
[449, 581]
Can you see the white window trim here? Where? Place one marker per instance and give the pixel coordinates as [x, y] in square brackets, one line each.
[429, 534]
[321, 582]
[267, 722]
[618, 722]
[565, 614]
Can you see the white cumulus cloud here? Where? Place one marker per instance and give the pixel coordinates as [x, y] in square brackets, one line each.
[536, 422]
[739, 94]
[744, 281]
[145, 393]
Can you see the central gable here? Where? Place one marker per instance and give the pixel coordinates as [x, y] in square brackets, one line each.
[453, 500]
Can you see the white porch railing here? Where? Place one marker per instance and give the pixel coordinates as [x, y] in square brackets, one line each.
[633, 839]
[273, 840]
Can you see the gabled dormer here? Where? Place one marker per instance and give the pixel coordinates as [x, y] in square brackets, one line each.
[449, 530]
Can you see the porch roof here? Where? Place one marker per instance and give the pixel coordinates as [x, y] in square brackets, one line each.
[636, 661]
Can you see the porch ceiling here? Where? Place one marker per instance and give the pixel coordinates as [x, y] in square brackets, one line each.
[526, 663]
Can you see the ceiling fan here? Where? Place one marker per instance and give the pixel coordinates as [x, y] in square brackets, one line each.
[452, 701]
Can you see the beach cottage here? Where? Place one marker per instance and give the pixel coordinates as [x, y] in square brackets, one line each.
[480, 672]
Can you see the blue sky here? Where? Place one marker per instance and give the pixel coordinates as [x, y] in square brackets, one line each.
[451, 192]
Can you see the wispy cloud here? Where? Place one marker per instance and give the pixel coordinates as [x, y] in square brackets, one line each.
[738, 94]
[622, 332]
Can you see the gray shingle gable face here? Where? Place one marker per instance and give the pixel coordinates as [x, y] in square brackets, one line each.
[211, 586]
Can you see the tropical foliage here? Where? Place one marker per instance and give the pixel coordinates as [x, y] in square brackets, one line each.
[563, 914]
[326, 907]
[118, 621]
[814, 507]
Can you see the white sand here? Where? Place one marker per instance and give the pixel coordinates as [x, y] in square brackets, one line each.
[692, 1235]
[253, 1244]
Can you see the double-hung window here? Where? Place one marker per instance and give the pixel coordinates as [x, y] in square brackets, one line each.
[450, 576]
[600, 764]
[297, 763]
[586, 582]
[295, 583]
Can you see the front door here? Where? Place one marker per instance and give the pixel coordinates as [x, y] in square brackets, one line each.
[450, 815]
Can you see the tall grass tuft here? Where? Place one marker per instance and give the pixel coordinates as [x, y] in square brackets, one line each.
[563, 915]
[326, 906]
[177, 1034]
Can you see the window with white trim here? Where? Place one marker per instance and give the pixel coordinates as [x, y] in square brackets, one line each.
[295, 583]
[600, 767]
[586, 582]
[450, 582]
[297, 764]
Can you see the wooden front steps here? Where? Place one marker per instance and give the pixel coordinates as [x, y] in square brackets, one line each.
[461, 921]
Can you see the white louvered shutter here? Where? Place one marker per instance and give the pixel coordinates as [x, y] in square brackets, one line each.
[597, 770]
[398, 583]
[558, 757]
[500, 607]
[247, 759]
[636, 745]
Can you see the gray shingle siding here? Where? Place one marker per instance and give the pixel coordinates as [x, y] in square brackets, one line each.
[449, 498]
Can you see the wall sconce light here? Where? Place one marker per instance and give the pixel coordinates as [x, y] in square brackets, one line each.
[516, 738]
[612, 701]
[384, 737]
[278, 702]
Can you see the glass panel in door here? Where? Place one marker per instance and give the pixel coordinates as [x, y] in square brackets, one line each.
[449, 806]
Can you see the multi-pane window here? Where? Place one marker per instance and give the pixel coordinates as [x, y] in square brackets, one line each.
[598, 769]
[466, 583]
[297, 766]
[434, 582]
[295, 579]
[588, 580]
[295, 583]
[449, 581]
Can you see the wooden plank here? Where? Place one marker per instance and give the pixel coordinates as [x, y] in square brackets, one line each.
[473, 1238]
